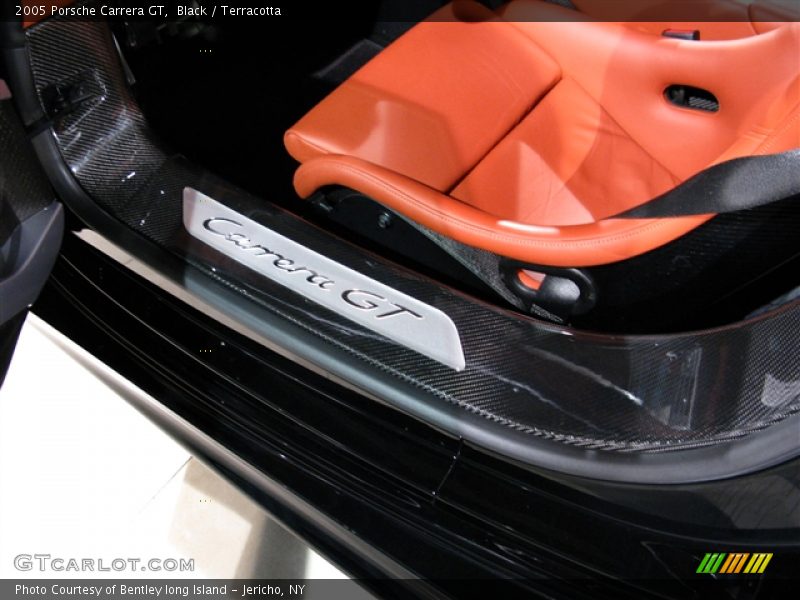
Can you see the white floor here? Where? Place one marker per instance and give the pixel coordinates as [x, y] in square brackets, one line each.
[84, 475]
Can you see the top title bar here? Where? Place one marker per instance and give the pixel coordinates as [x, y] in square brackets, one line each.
[673, 11]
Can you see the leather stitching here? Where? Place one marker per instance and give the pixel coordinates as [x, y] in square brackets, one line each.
[636, 231]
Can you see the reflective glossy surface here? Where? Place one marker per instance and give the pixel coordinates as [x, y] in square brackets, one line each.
[404, 493]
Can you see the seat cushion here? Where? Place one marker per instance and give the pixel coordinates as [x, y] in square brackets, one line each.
[433, 103]
[567, 163]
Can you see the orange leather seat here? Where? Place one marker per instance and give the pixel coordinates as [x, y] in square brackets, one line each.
[525, 132]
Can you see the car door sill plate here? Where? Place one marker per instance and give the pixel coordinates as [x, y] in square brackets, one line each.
[359, 298]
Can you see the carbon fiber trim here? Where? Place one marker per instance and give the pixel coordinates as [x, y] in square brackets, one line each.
[24, 190]
[105, 140]
[633, 394]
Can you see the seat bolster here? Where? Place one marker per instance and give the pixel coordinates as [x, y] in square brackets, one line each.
[301, 146]
[592, 244]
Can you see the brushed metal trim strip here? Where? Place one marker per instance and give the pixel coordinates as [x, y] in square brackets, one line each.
[361, 299]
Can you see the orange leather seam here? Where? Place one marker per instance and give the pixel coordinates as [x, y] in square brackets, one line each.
[638, 228]
[301, 141]
[499, 140]
[623, 129]
[774, 136]
[492, 234]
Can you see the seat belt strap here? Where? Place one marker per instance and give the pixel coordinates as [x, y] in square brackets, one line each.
[738, 184]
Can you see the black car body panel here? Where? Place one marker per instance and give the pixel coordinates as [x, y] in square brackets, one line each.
[390, 487]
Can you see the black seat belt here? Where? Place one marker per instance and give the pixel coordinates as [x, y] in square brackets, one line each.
[738, 184]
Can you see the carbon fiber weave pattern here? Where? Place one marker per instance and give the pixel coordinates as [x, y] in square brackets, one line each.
[24, 189]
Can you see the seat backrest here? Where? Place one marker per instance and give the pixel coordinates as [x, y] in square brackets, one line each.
[754, 79]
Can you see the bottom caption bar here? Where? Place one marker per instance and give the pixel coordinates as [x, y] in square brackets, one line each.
[169, 589]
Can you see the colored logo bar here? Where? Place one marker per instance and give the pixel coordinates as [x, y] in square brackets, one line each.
[734, 563]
